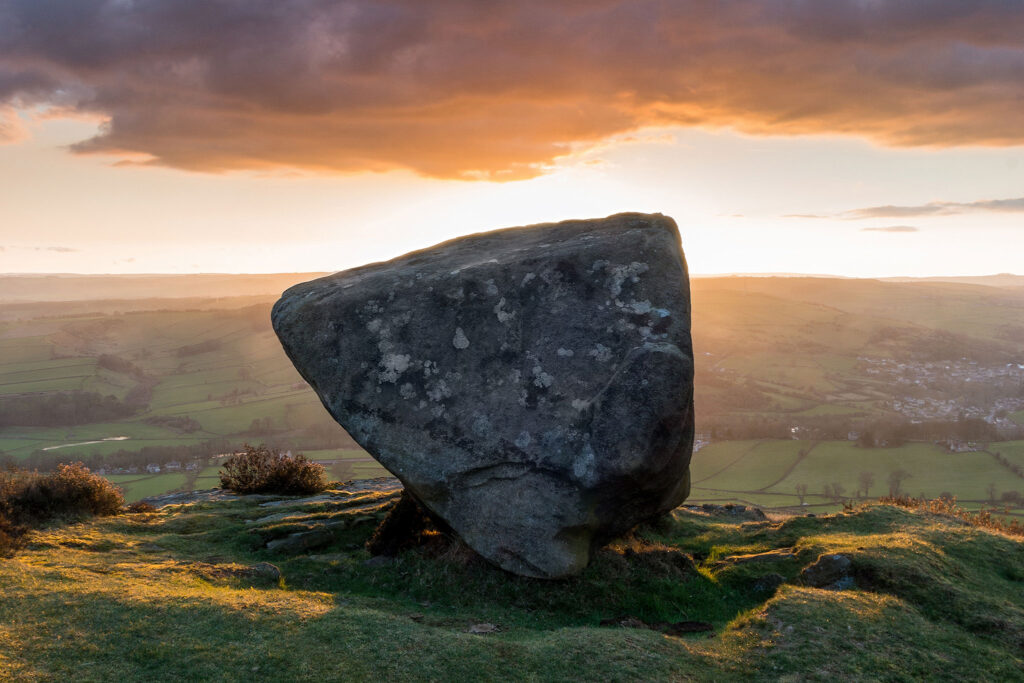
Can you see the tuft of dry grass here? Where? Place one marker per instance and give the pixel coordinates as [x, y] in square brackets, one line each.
[949, 508]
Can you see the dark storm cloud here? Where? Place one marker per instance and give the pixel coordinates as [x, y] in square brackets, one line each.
[467, 88]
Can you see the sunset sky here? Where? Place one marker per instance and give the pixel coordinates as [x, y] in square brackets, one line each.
[852, 137]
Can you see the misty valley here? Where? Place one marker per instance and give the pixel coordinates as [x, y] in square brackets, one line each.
[810, 392]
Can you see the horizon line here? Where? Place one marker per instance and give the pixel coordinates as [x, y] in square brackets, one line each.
[781, 274]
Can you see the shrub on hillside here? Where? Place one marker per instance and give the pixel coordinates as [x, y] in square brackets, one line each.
[29, 499]
[71, 490]
[264, 470]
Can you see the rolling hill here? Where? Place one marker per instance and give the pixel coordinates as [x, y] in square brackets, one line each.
[772, 352]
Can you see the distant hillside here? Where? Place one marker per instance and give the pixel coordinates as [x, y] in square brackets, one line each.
[1001, 280]
[23, 288]
[72, 287]
[816, 359]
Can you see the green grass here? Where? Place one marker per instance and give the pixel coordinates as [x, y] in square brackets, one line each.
[154, 485]
[23, 441]
[249, 359]
[796, 339]
[24, 349]
[760, 466]
[1011, 450]
[827, 409]
[741, 471]
[224, 420]
[932, 470]
[159, 597]
[19, 373]
[716, 457]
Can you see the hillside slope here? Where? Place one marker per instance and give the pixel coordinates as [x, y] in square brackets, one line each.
[181, 594]
[772, 353]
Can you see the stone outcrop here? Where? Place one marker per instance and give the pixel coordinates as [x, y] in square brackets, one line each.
[532, 387]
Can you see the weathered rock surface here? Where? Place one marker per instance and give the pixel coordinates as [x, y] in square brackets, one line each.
[533, 387]
[828, 571]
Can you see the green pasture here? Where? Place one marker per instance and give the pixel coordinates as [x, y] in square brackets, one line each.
[828, 409]
[788, 370]
[789, 403]
[234, 419]
[360, 464]
[122, 479]
[758, 467]
[717, 456]
[25, 349]
[143, 485]
[71, 382]
[767, 473]
[797, 339]
[196, 387]
[1011, 450]
[104, 382]
[22, 441]
[932, 470]
[41, 369]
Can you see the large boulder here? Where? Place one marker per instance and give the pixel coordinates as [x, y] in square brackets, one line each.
[532, 387]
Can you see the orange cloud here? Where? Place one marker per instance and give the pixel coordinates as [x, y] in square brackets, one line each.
[499, 90]
[11, 127]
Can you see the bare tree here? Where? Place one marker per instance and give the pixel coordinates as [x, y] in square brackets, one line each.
[866, 480]
[801, 491]
[835, 491]
[991, 491]
[896, 479]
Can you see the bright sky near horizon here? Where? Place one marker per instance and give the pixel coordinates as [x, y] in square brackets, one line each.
[859, 138]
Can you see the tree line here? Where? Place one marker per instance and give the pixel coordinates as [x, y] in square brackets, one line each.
[62, 409]
[869, 433]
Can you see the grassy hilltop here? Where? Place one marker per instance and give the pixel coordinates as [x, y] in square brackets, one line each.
[184, 593]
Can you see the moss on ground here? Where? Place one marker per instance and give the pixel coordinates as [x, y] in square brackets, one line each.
[175, 595]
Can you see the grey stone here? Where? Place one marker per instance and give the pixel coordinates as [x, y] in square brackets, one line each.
[828, 571]
[299, 542]
[532, 387]
[265, 570]
[768, 582]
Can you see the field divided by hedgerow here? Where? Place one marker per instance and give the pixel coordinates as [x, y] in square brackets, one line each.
[768, 473]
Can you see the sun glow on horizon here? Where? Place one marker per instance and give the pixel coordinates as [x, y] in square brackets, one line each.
[740, 201]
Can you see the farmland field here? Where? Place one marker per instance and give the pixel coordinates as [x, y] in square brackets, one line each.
[767, 473]
[208, 374]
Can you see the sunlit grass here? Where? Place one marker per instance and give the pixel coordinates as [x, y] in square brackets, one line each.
[166, 595]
